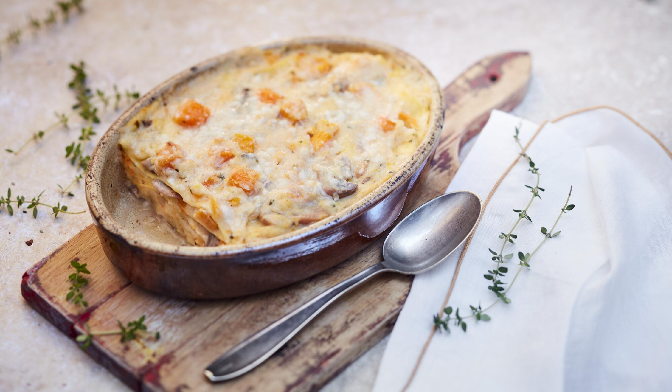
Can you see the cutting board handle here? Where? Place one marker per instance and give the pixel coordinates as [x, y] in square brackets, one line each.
[496, 82]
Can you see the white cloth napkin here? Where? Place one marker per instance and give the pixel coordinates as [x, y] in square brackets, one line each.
[593, 312]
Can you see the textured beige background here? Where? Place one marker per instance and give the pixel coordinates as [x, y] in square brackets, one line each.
[585, 53]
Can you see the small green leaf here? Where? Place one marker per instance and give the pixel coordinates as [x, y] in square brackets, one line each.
[569, 207]
[503, 269]
[488, 277]
[464, 326]
[521, 256]
[448, 310]
[485, 317]
[492, 251]
[82, 338]
[543, 230]
[557, 233]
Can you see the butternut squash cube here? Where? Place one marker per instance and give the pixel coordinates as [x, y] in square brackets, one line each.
[293, 110]
[323, 132]
[191, 114]
[246, 143]
[386, 124]
[267, 95]
[408, 120]
[244, 179]
[167, 155]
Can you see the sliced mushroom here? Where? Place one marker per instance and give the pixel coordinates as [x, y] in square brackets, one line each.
[212, 240]
[165, 189]
[148, 165]
[342, 189]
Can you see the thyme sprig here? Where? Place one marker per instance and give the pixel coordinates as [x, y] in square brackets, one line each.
[77, 282]
[62, 8]
[86, 107]
[499, 271]
[33, 204]
[64, 190]
[133, 330]
[443, 319]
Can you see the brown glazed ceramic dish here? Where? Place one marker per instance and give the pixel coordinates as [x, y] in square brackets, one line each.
[236, 270]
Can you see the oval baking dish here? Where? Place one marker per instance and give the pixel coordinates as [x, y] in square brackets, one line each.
[148, 257]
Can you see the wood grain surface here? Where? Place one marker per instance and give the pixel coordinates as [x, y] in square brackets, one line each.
[194, 333]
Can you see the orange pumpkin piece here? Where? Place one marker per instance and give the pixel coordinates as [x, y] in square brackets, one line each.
[322, 65]
[267, 95]
[386, 124]
[167, 155]
[244, 179]
[408, 120]
[212, 180]
[358, 88]
[221, 157]
[271, 56]
[323, 132]
[191, 114]
[246, 143]
[293, 110]
[311, 67]
[204, 218]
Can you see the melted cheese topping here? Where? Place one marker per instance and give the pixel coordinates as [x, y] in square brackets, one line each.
[282, 141]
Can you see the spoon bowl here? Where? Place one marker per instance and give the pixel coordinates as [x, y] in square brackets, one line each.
[431, 233]
[422, 240]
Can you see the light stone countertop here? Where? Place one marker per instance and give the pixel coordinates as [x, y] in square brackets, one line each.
[585, 53]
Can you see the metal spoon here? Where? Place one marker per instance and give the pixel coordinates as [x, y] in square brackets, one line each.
[419, 242]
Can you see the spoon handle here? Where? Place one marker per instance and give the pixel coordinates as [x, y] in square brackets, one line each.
[256, 349]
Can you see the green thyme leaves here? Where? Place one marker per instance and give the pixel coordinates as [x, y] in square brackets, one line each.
[35, 202]
[133, 330]
[34, 24]
[495, 275]
[77, 282]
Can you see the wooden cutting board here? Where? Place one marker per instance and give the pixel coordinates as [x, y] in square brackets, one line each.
[194, 333]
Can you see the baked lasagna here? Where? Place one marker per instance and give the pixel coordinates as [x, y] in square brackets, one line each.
[255, 149]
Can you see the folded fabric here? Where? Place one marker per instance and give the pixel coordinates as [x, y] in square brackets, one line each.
[591, 313]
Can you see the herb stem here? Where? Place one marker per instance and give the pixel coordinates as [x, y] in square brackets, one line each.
[103, 333]
[520, 268]
[48, 205]
[62, 121]
[61, 212]
[34, 24]
[523, 213]
[37, 136]
[65, 190]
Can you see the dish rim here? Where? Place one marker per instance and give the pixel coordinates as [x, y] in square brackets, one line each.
[103, 217]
